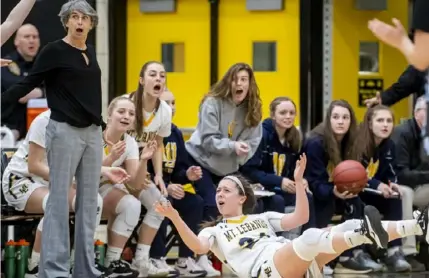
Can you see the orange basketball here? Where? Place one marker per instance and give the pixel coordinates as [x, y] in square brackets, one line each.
[351, 176]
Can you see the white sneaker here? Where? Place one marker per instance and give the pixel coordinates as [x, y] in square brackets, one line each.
[162, 264]
[207, 265]
[146, 268]
[189, 268]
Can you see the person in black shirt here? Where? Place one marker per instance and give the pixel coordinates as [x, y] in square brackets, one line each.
[72, 78]
[416, 53]
[27, 45]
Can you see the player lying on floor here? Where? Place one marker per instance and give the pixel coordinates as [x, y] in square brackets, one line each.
[248, 245]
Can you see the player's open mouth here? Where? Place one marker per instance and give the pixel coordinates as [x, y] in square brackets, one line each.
[157, 87]
[79, 30]
[221, 203]
[124, 123]
[239, 91]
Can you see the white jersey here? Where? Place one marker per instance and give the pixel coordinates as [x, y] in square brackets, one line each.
[155, 123]
[131, 152]
[238, 242]
[19, 162]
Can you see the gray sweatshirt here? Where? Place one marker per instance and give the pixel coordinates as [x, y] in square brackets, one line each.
[211, 146]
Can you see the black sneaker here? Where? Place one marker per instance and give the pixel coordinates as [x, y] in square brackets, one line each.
[32, 273]
[105, 272]
[371, 227]
[122, 269]
[351, 266]
[423, 220]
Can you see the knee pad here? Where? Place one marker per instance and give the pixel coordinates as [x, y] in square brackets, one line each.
[40, 225]
[149, 196]
[153, 219]
[44, 201]
[312, 242]
[127, 216]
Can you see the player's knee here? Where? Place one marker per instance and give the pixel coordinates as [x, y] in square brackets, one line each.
[44, 202]
[153, 219]
[127, 216]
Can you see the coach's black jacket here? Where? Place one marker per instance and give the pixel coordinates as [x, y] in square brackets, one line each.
[412, 171]
[411, 81]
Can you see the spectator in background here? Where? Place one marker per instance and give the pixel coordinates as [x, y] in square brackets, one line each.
[377, 155]
[329, 143]
[412, 170]
[228, 131]
[27, 45]
[273, 164]
[13, 21]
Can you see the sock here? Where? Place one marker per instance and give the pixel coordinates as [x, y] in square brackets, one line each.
[407, 228]
[349, 225]
[354, 239]
[34, 260]
[142, 251]
[392, 250]
[112, 254]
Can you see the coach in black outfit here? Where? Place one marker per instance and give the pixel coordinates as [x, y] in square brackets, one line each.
[72, 76]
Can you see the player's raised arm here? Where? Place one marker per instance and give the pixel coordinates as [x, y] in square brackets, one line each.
[199, 245]
[15, 19]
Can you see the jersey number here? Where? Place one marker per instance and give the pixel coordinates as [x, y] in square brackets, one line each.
[248, 242]
[279, 163]
[170, 155]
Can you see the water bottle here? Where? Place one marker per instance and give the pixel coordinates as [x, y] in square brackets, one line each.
[9, 259]
[23, 251]
[99, 252]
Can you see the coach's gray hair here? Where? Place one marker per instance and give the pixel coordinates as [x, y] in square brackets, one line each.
[77, 6]
[420, 103]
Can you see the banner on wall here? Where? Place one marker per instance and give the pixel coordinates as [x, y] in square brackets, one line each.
[368, 88]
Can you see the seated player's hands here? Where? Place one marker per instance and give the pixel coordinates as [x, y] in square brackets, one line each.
[344, 195]
[165, 208]
[288, 186]
[241, 148]
[115, 174]
[159, 181]
[149, 150]
[117, 150]
[176, 191]
[394, 35]
[388, 191]
[5, 62]
[194, 173]
[373, 101]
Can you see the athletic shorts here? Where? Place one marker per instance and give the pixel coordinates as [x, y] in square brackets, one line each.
[268, 269]
[17, 190]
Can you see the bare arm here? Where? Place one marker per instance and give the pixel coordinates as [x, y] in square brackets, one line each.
[35, 93]
[157, 158]
[199, 245]
[137, 171]
[301, 215]
[36, 164]
[15, 19]
[417, 54]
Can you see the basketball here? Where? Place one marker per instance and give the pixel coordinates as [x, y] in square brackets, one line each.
[351, 176]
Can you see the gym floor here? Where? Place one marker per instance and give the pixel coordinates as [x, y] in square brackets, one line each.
[416, 275]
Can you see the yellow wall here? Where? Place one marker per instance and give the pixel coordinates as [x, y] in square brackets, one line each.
[189, 25]
[238, 28]
[350, 27]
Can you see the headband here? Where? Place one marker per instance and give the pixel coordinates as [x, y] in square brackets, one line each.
[237, 181]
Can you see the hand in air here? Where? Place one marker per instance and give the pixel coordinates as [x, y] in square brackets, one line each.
[149, 150]
[394, 35]
[344, 195]
[116, 174]
[298, 174]
[159, 181]
[194, 173]
[241, 148]
[176, 191]
[5, 62]
[165, 208]
[373, 101]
